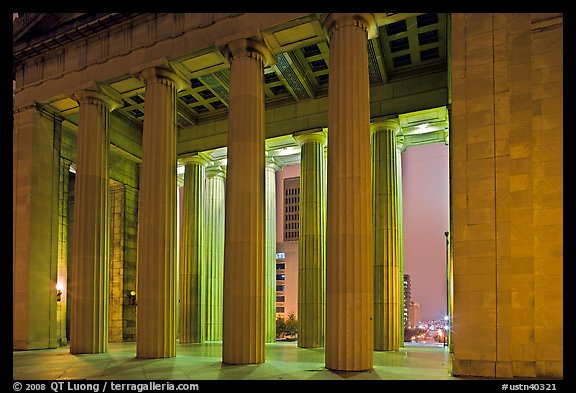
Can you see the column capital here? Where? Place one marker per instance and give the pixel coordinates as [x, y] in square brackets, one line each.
[94, 95]
[271, 163]
[335, 21]
[193, 158]
[400, 144]
[216, 171]
[311, 136]
[387, 124]
[162, 75]
[249, 47]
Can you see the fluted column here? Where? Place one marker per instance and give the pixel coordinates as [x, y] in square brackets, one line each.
[270, 291]
[312, 241]
[63, 241]
[388, 309]
[192, 254]
[157, 302]
[400, 242]
[244, 245]
[349, 253]
[214, 198]
[90, 244]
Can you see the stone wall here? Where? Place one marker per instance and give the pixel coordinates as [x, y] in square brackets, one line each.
[507, 187]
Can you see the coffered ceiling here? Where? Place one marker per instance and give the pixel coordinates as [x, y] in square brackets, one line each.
[402, 48]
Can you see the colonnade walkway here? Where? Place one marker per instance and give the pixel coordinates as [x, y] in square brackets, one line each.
[284, 361]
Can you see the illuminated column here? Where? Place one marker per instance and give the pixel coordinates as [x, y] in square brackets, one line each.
[244, 245]
[349, 244]
[270, 291]
[214, 204]
[192, 254]
[312, 241]
[388, 310]
[157, 274]
[91, 230]
[63, 239]
[400, 233]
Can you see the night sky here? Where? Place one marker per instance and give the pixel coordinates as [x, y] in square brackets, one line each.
[425, 191]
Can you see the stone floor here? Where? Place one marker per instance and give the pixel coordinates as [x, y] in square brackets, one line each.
[284, 361]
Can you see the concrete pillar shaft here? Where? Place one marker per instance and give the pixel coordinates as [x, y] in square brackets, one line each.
[192, 255]
[90, 244]
[270, 291]
[215, 221]
[387, 280]
[156, 293]
[244, 248]
[349, 253]
[400, 246]
[63, 241]
[312, 241]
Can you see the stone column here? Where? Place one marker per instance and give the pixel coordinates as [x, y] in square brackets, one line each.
[215, 220]
[270, 291]
[312, 241]
[400, 242]
[63, 239]
[91, 236]
[349, 244]
[244, 246]
[192, 254]
[388, 310]
[156, 274]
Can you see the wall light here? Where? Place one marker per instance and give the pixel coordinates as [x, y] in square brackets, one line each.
[59, 289]
[132, 298]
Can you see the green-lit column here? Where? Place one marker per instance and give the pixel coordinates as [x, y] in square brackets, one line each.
[214, 240]
[388, 310]
[349, 239]
[400, 147]
[192, 254]
[312, 241]
[61, 309]
[243, 327]
[91, 236]
[270, 290]
[156, 322]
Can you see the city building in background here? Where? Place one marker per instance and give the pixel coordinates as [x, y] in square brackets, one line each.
[287, 233]
[413, 315]
[291, 209]
[280, 284]
[407, 301]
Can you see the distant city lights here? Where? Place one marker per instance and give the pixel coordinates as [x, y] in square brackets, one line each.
[431, 332]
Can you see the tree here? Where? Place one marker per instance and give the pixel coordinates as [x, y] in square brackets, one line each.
[280, 327]
[291, 325]
[287, 327]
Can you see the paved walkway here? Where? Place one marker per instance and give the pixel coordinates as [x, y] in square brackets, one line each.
[284, 361]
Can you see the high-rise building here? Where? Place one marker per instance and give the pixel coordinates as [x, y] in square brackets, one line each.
[280, 284]
[291, 208]
[286, 295]
[407, 299]
[413, 315]
[287, 233]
